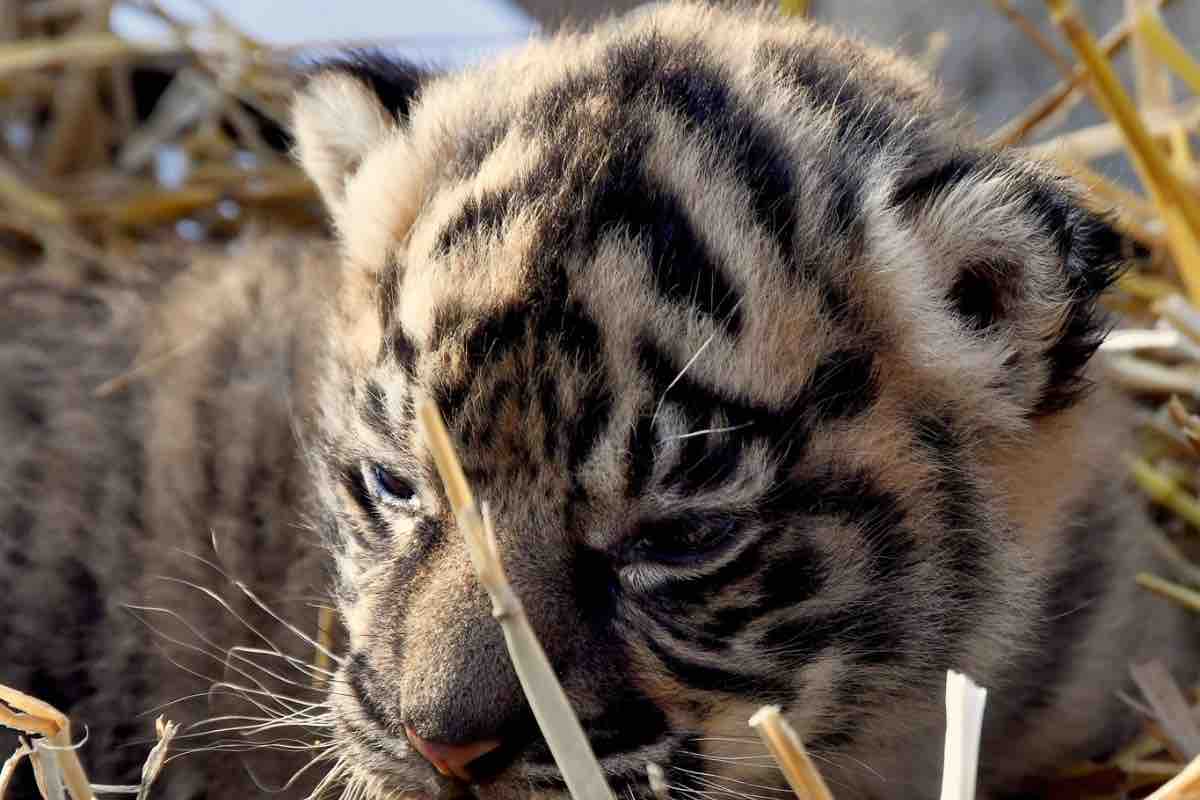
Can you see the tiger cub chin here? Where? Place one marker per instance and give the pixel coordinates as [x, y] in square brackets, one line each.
[775, 381]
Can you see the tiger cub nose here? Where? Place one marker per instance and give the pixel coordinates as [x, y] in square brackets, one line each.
[452, 760]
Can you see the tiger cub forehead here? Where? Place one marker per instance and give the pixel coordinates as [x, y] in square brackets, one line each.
[666, 175]
[781, 215]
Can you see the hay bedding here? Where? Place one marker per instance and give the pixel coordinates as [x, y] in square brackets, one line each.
[91, 120]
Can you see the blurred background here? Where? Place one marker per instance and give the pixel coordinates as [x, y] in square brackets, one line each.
[981, 56]
[128, 120]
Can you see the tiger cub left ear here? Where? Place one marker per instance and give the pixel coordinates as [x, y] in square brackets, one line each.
[1021, 260]
[345, 108]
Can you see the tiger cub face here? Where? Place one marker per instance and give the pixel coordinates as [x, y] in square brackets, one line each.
[761, 367]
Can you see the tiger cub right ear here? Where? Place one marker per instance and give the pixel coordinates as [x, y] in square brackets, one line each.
[345, 108]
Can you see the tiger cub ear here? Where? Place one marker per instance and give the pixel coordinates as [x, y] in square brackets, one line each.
[343, 110]
[1021, 262]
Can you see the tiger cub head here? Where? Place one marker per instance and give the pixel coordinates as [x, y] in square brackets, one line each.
[765, 371]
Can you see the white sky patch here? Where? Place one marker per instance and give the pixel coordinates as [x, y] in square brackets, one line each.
[437, 33]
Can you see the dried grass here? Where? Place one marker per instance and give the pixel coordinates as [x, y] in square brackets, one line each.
[79, 189]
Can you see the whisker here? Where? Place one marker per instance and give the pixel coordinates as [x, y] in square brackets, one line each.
[241, 585]
[731, 779]
[335, 774]
[663, 398]
[709, 431]
[311, 670]
[203, 652]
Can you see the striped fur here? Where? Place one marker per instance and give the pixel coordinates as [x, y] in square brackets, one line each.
[102, 497]
[775, 382]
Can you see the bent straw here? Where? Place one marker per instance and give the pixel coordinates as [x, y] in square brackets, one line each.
[564, 734]
[30, 715]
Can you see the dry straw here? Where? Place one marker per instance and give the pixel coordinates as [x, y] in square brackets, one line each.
[789, 753]
[561, 728]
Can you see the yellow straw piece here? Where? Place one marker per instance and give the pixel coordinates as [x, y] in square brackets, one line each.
[1167, 47]
[1146, 287]
[790, 754]
[1184, 786]
[1165, 491]
[564, 735]
[91, 49]
[1151, 78]
[1180, 210]
[1189, 598]
[1063, 94]
[794, 8]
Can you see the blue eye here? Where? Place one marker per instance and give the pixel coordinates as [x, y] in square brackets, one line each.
[388, 487]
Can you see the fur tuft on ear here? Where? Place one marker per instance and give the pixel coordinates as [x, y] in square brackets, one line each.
[1092, 253]
[1020, 261]
[345, 108]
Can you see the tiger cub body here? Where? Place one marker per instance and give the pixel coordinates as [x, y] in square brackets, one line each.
[775, 383]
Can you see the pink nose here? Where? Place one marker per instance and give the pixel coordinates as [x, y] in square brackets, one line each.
[450, 759]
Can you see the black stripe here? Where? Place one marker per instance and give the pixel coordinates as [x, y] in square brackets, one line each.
[699, 591]
[871, 631]
[967, 549]
[223, 369]
[394, 82]
[709, 678]
[698, 401]
[867, 117]
[492, 337]
[588, 429]
[843, 385]
[670, 622]
[486, 213]
[353, 479]
[706, 466]
[794, 576]
[360, 676]
[787, 429]
[551, 417]
[641, 455]
[389, 292]
[79, 626]
[1091, 250]
[630, 720]
[854, 498]
[1071, 603]
[683, 270]
[374, 409]
[566, 323]
[20, 521]
[682, 78]
[925, 184]
[403, 350]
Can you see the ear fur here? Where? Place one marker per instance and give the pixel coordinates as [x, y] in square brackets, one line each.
[1025, 262]
[345, 108]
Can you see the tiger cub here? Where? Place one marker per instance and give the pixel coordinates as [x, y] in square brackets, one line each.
[775, 381]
